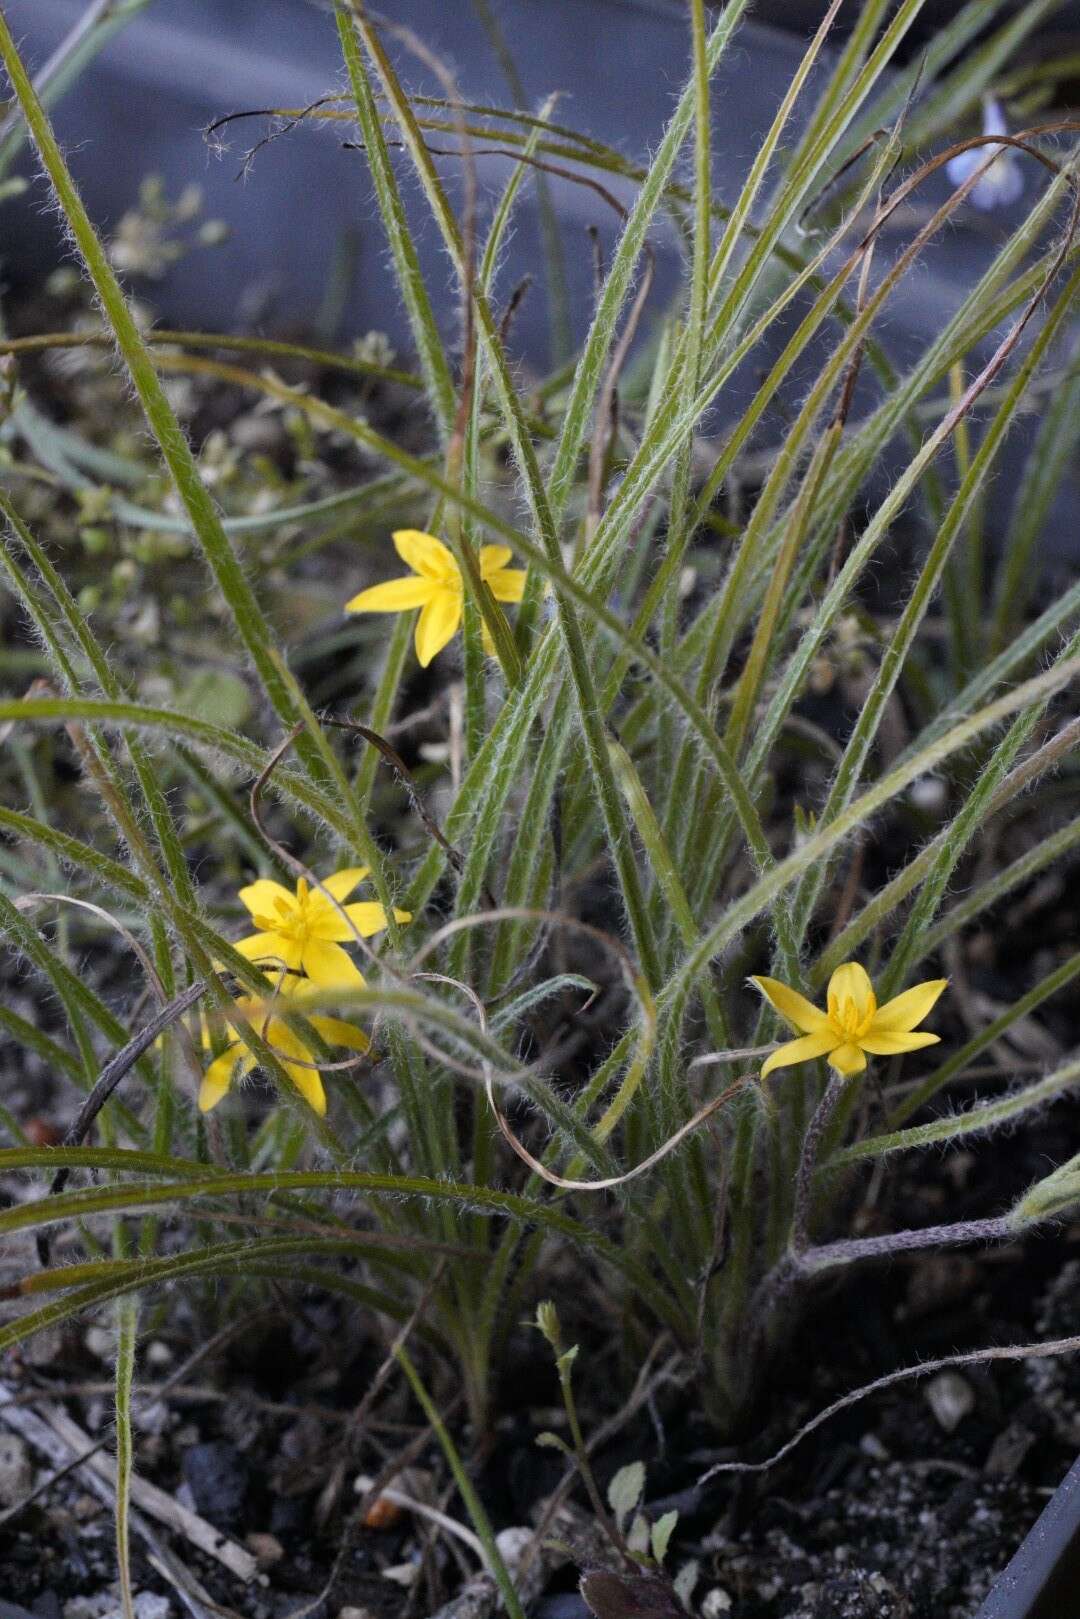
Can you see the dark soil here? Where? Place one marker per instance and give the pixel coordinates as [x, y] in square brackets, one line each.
[904, 1506]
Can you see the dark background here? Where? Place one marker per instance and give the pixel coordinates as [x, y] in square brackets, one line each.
[142, 106]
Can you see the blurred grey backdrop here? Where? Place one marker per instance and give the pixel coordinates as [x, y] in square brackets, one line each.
[142, 105]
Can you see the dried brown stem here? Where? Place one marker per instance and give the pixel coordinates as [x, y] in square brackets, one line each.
[107, 1081]
[973, 1357]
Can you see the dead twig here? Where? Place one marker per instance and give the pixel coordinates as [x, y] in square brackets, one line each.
[375, 1487]
[107, 1081]
[59, 1438]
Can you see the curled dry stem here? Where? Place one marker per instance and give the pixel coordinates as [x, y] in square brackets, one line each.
[635, 985]
[128, 1055]
[631, 974]
[974, 1357]
[109, 1079]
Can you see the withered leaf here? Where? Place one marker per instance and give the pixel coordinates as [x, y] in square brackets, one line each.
[630, 1595]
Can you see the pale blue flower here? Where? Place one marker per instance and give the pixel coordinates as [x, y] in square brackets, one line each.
[1003, 181]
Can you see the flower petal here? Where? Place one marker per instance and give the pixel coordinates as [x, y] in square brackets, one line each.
[1002, 183]
[885, 1044]
[336, 1032]
[218, 1077]
[847, 1059]
[964, 164]
[371, 918]
[492, 558]
[904, 1011]
[424, 554]
[286, 1045]
[791, 1005]
[286, 984]
[851, 983]
[437, 624]
[205, 1038]
[801, 1050]
[293, 1054]
[272, 948]
[263, 895]
[327, 964]
[309, 1085]
[340, 884]
[394, 596]
[508, 585]
[367, 916]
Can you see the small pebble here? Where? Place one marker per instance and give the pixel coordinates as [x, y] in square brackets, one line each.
[402, 1573]
[512, 1544]
[95, 1607]
[40, 1133]
[562, 1605]
[16, 1469]
[290, 1517]
[217, 1476]
[10, 1610]
[1008, 1451]
[382, 1513]
[147, 1606]
[101, 1342]
[860, 1594]
[151, 1418]
[266, 1549]
[43, 1348]
[951, 1399]
[260, 433]
[929, 793]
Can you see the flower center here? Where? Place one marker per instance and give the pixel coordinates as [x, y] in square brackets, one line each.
[296, 920]
[453, 580]
[848, 1020]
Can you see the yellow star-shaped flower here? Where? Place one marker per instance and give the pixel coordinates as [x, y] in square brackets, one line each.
[435, 586]
[304, 931]
[853, 1024]
[297, 1058]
